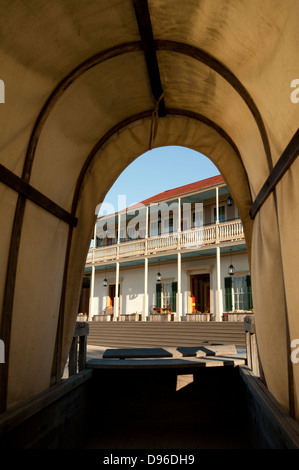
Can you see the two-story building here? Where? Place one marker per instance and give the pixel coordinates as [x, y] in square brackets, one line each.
[179, 255]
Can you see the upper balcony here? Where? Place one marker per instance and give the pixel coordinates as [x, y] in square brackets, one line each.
[186, 240]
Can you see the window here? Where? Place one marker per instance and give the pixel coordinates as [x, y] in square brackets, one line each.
[168, 226]
[166, 295]
[132, 234]
[238, 293]
[197, 219]
[222, 215]
[154, 230]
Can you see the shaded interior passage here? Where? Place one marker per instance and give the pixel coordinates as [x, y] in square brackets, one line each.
[165, 410]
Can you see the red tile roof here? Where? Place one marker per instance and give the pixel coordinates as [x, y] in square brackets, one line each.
[176, 192]
[188, 188]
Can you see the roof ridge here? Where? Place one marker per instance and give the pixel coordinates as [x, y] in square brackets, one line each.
[190, 187]
[201, 184]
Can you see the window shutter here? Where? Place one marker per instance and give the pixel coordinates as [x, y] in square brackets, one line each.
[249, 294]
[158, 294]
[174, 287]
[228, 283]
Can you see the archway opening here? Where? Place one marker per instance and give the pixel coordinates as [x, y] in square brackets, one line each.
[208, 216]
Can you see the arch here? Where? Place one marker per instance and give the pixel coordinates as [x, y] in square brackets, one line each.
[223, 151]
[226, 102]
[55, 96]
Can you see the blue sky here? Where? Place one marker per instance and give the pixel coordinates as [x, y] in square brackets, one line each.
[158, 170]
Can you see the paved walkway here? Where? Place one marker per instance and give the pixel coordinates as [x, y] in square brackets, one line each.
[96, 352]
[95, 358]
[157, 358]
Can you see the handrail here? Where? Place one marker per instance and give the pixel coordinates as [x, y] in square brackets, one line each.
[187, 239]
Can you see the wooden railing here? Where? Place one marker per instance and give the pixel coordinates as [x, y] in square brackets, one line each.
[253, 361]
[187, 239]
[77, 354]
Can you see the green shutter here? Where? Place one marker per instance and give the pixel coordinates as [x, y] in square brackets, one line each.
[249, 294]
[228, 283]
[174, 287]
[158, 294]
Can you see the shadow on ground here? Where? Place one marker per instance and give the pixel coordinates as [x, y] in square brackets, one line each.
[139, 409]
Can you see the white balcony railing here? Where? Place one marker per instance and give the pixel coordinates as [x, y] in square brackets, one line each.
[186, 240]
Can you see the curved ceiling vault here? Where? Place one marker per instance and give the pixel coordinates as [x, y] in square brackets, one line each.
[81, 95]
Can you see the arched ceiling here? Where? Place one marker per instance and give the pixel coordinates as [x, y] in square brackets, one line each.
[82, 80]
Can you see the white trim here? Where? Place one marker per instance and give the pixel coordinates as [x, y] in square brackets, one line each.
[199, 269]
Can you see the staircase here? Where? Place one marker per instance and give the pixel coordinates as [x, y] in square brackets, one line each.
[158, 334]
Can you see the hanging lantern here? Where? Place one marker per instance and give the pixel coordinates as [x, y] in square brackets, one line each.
[158, 276]
[229, 201]
[105, 282]
[231, 270]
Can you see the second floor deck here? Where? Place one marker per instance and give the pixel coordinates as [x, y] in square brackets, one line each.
[186, 240]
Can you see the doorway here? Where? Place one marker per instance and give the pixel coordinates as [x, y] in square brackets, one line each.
[200, 293]
[111, 294]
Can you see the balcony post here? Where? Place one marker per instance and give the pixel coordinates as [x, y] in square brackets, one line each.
[179, 223]
[219, 297]
[179, 291]
[118, 236]
[116, 298]
[91, 295]
[217, 216]
[146, 230]
[145, 295]
[145, 314]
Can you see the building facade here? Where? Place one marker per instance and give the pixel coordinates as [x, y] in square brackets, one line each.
[179, 255]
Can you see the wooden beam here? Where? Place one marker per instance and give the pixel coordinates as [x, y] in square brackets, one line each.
[25, 189]
[148, 44]
[17, 415]
[285, 161]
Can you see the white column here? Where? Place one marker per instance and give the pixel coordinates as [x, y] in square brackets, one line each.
[118, 235]
[116, 298]
[179, 297]
[217, 216]
[91, 296]
[179, 222]
[118, 228]
[145, 314]
[146, 222]
[219, 297]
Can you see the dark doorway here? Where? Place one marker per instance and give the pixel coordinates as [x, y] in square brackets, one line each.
[200, 292]
[111, 294]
